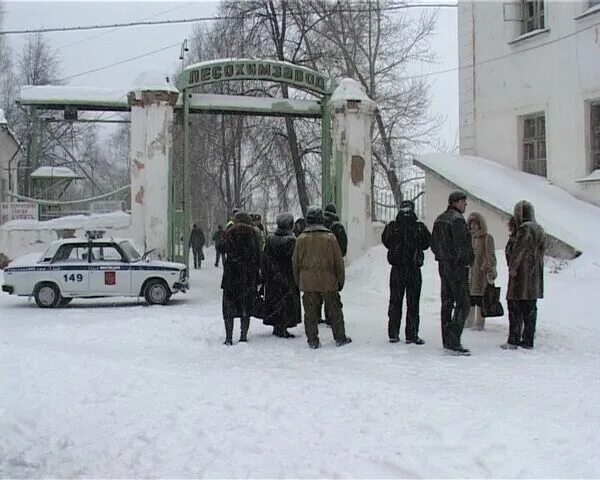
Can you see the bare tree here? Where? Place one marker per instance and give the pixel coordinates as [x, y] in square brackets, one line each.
[375, 45]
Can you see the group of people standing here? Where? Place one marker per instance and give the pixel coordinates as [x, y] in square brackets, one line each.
[264, 279]
[264, 275]
[465, 253]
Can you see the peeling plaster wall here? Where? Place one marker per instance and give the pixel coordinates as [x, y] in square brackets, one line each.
[150, 145]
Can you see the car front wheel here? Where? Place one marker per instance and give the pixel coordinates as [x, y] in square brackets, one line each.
[157, 292]
[47, 295]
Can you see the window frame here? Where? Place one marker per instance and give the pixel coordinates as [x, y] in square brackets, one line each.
[537, 18]
[534, 153]
[594, 132]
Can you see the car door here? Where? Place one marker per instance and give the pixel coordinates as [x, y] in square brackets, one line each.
[70, 269]
[110, 271]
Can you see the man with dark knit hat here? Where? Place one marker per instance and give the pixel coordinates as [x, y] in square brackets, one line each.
[319, 273]
[451, 244]
[406, 239]
[332, 222]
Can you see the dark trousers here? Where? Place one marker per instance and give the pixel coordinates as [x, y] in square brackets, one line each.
[198, 257]
[221, 256]
[456, 302]
[522, 317]
[312, 311]
[409, 281]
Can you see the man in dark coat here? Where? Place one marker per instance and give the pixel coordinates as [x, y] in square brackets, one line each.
[332, 222]
[406, 239]
[216, 238]
[282, 296]
[525, 259]
[299, 226]
[451, 244]
[319, 273]
[197, 241]
[240, 274]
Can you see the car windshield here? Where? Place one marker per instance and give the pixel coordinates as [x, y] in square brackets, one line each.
[132, 254]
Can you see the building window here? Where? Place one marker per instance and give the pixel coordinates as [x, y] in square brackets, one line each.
[534, 144]
[532, 15]
[595, 135]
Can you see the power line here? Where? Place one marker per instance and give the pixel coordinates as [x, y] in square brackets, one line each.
[202, 19]
[162, 12]
[501, 57]
[120, 62]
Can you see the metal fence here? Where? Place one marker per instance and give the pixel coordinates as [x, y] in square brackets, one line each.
[384, 205]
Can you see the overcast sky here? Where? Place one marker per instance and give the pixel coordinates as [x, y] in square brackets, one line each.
[88, 50]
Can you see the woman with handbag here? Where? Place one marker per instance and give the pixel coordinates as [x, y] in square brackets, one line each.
[483, 272]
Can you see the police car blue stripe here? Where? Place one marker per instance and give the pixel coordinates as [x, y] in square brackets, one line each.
[51, 268]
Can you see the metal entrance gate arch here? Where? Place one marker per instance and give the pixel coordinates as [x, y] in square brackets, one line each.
[296, 76]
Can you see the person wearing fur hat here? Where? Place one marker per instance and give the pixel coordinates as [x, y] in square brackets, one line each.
[319, 273]
[282, 297]
[406, 239]
[525, 276]
[483, 271]
[451, 245]
[240, 274]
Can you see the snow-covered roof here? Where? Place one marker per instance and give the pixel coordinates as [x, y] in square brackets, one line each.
[254, 104]
[55, 172]
[77, 96]
[350, 89]
[573, 221]
[155, 78]
[73, 222]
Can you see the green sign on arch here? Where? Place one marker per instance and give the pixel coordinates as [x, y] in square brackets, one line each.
[300, 77]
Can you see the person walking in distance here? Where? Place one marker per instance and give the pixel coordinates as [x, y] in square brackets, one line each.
[451, 245]
[240, 274]
[216, 238]
[525, 276]
[196, 243]
[483, 271]
[319, 273]
[406, 239]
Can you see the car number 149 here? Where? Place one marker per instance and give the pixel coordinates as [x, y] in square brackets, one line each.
[73, 277]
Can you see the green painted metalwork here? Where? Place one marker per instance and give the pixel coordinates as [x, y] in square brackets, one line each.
[186, 173]
[214, 71]
[337, 187]
[326, 190]
[179, 240]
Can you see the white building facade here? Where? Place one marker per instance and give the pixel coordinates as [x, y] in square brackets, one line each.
[529, 88]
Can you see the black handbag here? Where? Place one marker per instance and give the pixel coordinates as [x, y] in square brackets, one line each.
[258, 304]
[490, 305]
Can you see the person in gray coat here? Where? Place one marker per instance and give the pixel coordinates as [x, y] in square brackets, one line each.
[526, 276]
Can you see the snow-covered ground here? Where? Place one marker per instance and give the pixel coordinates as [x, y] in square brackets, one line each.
[106, 388]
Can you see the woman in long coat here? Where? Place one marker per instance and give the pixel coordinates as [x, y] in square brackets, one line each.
[282, 296]
[483, 270]
[240, 274]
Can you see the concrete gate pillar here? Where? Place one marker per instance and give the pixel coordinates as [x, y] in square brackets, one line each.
[352, 114]
[151, 146]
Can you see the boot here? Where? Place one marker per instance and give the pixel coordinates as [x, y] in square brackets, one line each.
[228, 331]
[245, 325]
[287, 334]
[343, 341]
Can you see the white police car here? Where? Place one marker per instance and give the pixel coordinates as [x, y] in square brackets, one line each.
[93, 267]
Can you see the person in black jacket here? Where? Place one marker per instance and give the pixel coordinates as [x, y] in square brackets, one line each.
[451, 244]
[282, 296]
[332, 222]
[406, 239]
[240, 274]
[197, 241]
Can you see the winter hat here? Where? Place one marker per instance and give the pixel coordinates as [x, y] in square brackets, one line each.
[407, 205]
[330, 207]
[285, 221]
[242, 217]
[314, 216]
[456, 196]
